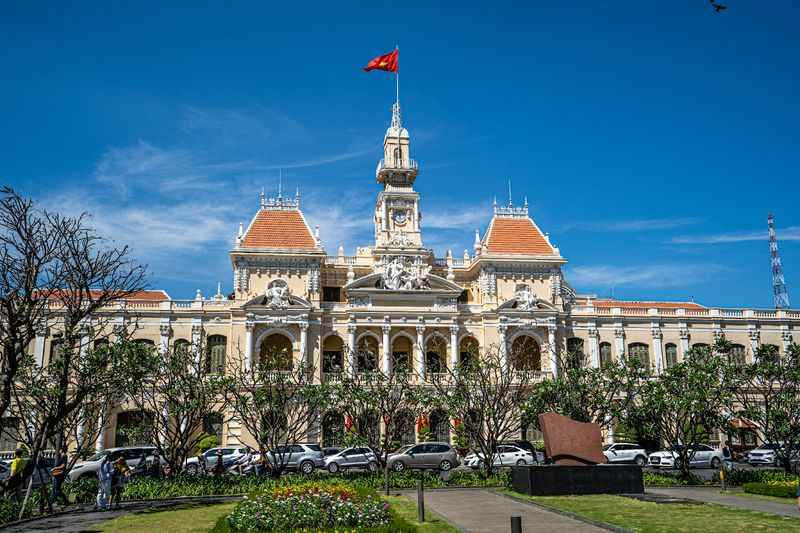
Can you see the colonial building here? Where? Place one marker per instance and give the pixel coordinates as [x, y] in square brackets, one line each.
[395, 299]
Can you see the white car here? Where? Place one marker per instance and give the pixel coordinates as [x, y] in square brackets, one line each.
[625, 452]
[133, 456]
[357, 457]
[700, 456]
[229, 455]
[504, 456]
[766, 454]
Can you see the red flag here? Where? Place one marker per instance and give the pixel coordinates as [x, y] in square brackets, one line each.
[387, 62]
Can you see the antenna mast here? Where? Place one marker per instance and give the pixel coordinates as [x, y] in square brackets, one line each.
[779, 293]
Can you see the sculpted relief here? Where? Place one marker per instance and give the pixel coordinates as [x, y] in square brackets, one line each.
[526, 299]
[397, 275]
[277, 294]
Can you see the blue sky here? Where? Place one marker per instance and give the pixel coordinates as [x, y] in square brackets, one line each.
[650, 138]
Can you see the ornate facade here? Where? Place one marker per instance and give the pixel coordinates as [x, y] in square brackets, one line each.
[411, 308]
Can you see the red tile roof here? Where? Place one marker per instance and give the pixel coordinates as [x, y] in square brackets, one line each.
[647, 304]
[516, 236]
[279, 229]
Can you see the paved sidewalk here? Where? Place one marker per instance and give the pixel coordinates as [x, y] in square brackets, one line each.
[730, 499]
[483, 511]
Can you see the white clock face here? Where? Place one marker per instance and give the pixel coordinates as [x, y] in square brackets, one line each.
[399, 217]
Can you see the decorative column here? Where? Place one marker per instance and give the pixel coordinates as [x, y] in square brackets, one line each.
[386, 349]
[99, 444]
[502, 329]
[85, 341]
[304, 359]
[197, 330]
[786, 337]
[164, 329]
[594, 347]
[684, 334]
[453, 347]
[351, 349]
[755, 336]
[38, 346]
[551, 340]
[619, 342]
[420, 352]
[249, 326]
[658, 355]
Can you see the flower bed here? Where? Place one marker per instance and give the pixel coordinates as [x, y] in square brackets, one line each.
[313, 506]
[780, 489]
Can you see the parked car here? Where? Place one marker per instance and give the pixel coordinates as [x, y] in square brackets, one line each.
[331, 450]
[132, 455]
[304, 458]
[355, 457]
[434, 455]
[527, 446]
[229, 455]
[700, 456]
[770, 454]
[625, 452]
[506, 455]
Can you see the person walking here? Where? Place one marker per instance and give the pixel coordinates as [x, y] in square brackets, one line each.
[16, 474]
[155, 469]
[59, 474]
[104, 490]
[727, 455]
[119, 477]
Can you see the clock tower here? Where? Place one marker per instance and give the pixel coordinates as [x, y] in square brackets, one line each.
[397, 214]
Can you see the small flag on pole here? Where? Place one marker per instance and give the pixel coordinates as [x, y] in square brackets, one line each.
[387, 62]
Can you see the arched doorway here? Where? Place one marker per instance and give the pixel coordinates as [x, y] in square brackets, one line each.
[403, 429]
[468, 351]
[134, 428]
[525, 354]
[440, 426]
[435, 354]
[212, 425]
[275, 352]
[401, 354]
[332, 359]
[367, 354]
[333, 429]
[215, 354]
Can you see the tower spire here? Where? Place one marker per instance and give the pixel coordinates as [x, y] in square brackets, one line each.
[779, 293]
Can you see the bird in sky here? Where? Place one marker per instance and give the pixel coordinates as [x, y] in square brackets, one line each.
[717, 7]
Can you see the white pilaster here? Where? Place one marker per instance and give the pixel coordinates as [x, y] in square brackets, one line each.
[551, 340]
[38, 346]
[419, 352]
[594, 347]
[351, 349]
[164, 329]
[755, 337]
[197, 330]
[249, 325]
[100, 443]
[658, 354]
[786, 337]
[453, 347]
[684, 333]
[619, 342]
[387, 349]
[502, 329]
[304, 359]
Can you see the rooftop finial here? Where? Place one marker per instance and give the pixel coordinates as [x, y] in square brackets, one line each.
[261, 198]
[509, 192]
[397, 121]
[280, 183]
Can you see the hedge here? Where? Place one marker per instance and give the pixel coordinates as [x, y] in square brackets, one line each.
[783, 489]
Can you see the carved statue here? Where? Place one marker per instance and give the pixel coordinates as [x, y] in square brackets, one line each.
[397, 276]
[526, 299]
[278, 294]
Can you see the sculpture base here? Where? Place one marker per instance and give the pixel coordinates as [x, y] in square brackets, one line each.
[558, 480]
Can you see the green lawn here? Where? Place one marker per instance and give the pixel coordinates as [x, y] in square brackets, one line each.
[188, 519]
[407, 509]
[199, 518]
[648, 517]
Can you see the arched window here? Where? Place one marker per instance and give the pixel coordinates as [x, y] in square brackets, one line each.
[332, 429]
[215, 354]
[440, 426]
[605, 353]
[527, 431]
[401, 354]
[134, 428]
[212, 425]
[368, 427]
[435, 354]
[180, 346]
[738, 354]
[367, 354]
[525, 354]
[641, 352]
[702, 347]
[671, 354]
[56, 350]
[468, 351]
[332, 348]
[575, 355]
[276, 353]
[403, 428]
[769, 351]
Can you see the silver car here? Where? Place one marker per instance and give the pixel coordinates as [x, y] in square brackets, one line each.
[427, 455]
[356, 457]
[132, 455]
[302, 457]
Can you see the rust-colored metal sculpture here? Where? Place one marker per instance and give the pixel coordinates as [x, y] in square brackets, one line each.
[569, 442]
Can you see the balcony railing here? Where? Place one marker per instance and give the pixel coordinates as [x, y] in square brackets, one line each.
[393, 164]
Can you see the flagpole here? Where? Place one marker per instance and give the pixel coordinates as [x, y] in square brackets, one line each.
[397, 102]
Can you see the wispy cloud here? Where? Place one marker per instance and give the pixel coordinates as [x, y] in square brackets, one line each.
[464, 217]
[647, 224]
[791, 233]
[658, 276]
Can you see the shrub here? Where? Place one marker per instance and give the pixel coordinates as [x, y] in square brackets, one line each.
[740, 477]
[84, 490]
[780, 489]
[663, 479]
